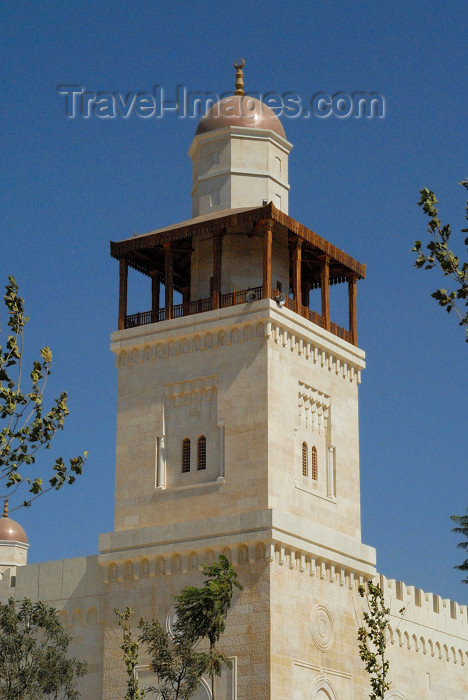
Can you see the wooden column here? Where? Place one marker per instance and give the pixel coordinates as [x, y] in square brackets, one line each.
[123, 277]
[155, 293]
[169, 280]
[217, 259]
[305, 293]
[324, 282]
[352, 289]
[186, 300]
[267, 245]
[297, 268]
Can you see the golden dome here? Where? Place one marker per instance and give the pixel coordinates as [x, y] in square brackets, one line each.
[240, 110]
[10, 530]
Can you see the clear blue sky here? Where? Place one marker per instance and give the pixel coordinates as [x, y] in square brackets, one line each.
[69, 186]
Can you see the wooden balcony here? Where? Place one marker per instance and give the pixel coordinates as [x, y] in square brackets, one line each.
[232, 299]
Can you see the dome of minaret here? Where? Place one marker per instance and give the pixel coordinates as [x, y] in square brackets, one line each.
[240, 110]
[10, 530]
[239, 155]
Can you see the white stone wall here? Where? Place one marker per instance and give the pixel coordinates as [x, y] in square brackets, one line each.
[316, 612]
[239, 167]
[75, 588]
[265, 360]
[242, 263]
[313, 397]
[12, 554]
[152, 360]
[430, 639]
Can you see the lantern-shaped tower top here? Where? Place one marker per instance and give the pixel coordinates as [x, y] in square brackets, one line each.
[239, 155]
[240, 244]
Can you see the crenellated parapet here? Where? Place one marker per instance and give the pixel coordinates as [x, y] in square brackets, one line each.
[429, 625]
[424, 608]
[7, 583]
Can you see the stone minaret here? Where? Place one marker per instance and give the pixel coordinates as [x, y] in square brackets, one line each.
[237, 424]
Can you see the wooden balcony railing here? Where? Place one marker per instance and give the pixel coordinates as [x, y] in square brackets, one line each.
[232, 299]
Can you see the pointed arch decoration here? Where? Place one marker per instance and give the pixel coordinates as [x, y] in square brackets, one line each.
[322, 689]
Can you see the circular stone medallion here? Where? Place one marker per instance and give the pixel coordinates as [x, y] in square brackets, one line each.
[322, 627]
[171, 619]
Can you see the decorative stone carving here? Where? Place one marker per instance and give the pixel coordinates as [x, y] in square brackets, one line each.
[171, 619]
[322, 627]
[314, 408]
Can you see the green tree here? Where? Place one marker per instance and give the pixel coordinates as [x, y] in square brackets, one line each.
[439, 255]
[130, 648]
[203, 611]
[462, 529]
[175, 658]
[25, 425]
[372, 637]
[33, 654]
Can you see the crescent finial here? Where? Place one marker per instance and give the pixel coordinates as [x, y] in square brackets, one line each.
[238, 65]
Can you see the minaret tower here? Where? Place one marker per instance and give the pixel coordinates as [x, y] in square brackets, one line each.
[237, 423]
[13, 548]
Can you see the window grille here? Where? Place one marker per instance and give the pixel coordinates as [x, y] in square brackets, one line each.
[305, 465]
[186, 455]
[314, 463]
[201, 463]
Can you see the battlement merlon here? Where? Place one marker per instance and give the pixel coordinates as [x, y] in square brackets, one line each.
[427, 609]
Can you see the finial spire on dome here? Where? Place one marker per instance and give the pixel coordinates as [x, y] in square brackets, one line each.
[239, 77]
[5, 508]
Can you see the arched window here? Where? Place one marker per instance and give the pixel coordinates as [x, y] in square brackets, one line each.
[186, 455]
[201, 461]
[314, 463]
[305, 460]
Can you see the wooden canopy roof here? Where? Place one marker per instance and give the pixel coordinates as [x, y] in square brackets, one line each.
[145, 252]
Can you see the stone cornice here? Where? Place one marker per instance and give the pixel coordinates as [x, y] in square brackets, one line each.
[242, 132]
[14, 543]
[271, 526]
[262, 319]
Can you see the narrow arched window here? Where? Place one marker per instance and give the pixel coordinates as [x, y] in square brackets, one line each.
[201, 461]
[314, 463]
[186, 455]
[305, 460]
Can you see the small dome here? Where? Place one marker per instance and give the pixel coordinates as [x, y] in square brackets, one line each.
[240, 110]
[12, 531]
